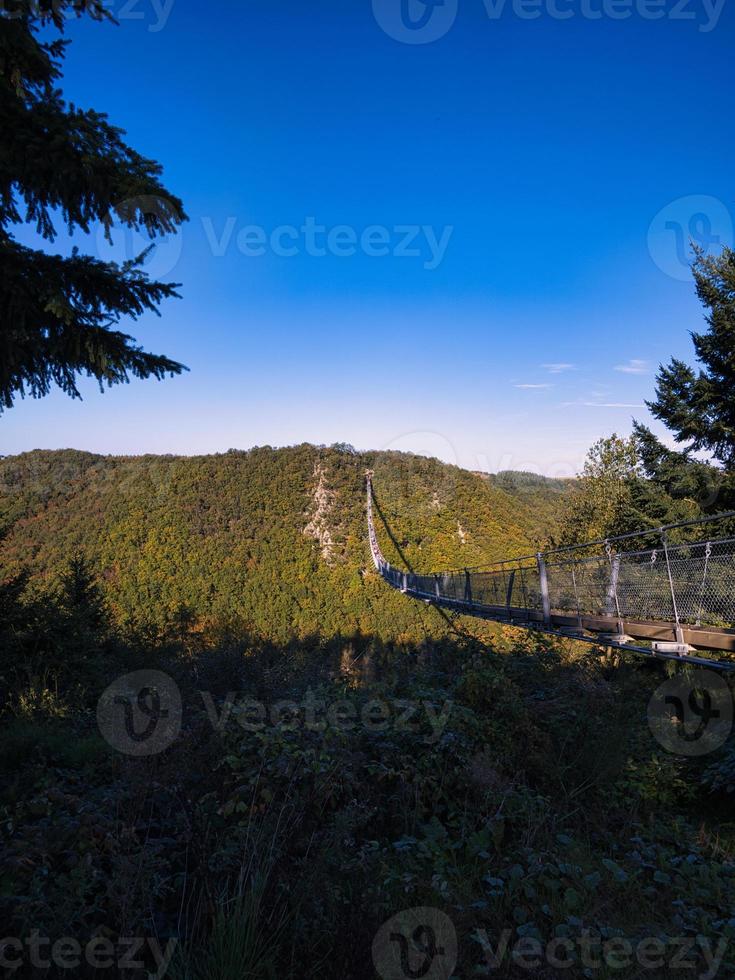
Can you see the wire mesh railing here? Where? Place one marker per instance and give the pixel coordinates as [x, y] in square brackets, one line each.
[693, 583]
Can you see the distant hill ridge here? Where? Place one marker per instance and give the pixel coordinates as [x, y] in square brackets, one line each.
[525, 480]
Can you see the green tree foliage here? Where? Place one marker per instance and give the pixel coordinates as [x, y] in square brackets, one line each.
[599, 504]
[613, 496]
[51, 636]
[268, 542]
[62, 163]
[544, 496]
[698, 406]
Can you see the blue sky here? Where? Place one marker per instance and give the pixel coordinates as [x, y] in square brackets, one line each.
[529, 177]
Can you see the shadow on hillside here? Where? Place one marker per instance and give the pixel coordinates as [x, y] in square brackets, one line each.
[389, 532]
[271, 806]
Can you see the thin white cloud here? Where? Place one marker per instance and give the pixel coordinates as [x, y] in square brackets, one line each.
[634, 366]
[559, 368]
[527, 387]
[611, 405]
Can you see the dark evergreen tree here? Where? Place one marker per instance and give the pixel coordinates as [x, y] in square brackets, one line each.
[80, 595]
[677, 473]
[59, 163]
[698, 406]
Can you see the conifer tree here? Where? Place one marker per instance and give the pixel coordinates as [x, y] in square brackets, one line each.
[698, 405]
[678, 473]
[62, 164]
[80, 595]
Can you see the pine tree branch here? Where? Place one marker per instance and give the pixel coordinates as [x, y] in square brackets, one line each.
[56, 315]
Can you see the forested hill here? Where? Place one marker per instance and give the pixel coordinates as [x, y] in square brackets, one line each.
[272, 541]
[544, 497]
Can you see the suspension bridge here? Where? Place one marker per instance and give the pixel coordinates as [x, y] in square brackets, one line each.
[666, 592]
